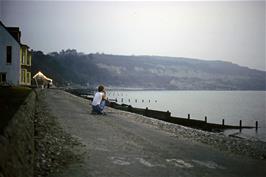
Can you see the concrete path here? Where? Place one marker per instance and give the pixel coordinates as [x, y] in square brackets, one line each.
[118, 147]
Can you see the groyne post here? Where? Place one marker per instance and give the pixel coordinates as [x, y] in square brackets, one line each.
[240, 125]
[206, 119]
[188, 116]
[129, 108]
[168, 114]
[223, 122]
[146, 111]
[256, 126]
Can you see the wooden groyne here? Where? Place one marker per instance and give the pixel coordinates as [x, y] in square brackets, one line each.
[166, 116]
[80, 92]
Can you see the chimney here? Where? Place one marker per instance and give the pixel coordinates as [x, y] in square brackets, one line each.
[14, 31]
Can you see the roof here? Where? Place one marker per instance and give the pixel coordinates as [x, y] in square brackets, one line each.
[9, 31]
[40, 75]
[24, 45]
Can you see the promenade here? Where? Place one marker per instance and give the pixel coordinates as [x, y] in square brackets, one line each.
[124, 144]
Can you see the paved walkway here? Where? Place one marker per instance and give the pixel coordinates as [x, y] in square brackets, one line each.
[116, 146]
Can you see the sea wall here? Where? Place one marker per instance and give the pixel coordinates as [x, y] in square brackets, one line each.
[17, 142]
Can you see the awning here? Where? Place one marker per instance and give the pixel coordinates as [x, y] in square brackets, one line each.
[41, 76]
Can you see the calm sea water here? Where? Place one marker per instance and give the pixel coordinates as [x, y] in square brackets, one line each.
[248, 106]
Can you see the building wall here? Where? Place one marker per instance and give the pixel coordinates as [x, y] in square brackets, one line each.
[12, 70]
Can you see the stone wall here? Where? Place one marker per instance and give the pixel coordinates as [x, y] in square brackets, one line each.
[17, 142]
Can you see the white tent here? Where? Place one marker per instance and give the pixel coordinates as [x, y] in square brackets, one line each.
[43, 78]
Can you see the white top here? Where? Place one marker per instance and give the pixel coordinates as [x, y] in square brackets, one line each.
[97, 98]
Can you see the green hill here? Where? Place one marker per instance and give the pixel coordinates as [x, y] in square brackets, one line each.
[152, 72]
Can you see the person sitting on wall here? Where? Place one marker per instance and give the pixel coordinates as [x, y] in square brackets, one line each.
[99, 101]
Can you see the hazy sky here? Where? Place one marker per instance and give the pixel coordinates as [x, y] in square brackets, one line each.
[229, 31]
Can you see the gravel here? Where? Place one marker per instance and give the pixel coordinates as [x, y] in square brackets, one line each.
[247, 147]
[54, 148]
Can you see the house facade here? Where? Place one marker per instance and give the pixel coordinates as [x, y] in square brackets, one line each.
[15, 58]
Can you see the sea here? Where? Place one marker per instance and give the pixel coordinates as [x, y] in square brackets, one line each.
[232, 106]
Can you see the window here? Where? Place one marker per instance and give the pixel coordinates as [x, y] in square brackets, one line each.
[8, 54]
[2, 77]
[23, 58]
[28, 77]
[28, 59]
[23, 76]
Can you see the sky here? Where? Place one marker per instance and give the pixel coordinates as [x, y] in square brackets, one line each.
[231, 31]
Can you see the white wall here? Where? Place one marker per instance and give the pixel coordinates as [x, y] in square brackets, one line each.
[12, 70]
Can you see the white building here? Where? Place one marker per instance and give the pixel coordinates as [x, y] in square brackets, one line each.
[15, 58]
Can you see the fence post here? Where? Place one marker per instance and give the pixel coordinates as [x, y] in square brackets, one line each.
[256, 125]
[223, 122]
[206, 119]
[188, 116]
[121, 100]
[240, 124]
[168, 114]
[129, 108]
[146, 112]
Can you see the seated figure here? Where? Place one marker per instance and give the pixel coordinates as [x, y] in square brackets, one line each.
[99, 100]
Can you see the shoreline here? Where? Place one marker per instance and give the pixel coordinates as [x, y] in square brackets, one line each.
[252, 148]
[157, 89]
[121, 136]
[255, 149]
[193, 123]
